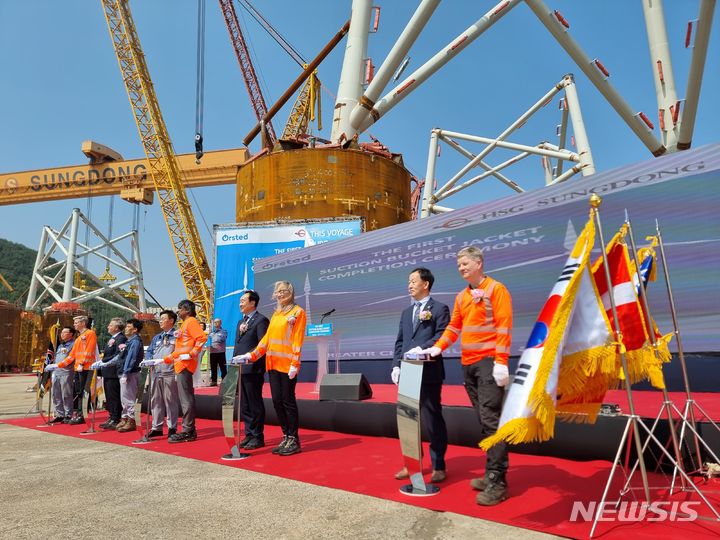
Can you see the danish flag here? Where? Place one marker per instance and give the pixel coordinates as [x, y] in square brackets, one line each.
[629, 312]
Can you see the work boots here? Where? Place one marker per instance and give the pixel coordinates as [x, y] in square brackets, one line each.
[129, 425]
[496, 490]
[292, 446]
[280, 446]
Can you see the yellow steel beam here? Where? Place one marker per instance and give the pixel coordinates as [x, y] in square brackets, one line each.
[75, 181]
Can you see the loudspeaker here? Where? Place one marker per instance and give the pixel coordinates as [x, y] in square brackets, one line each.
[344, 386]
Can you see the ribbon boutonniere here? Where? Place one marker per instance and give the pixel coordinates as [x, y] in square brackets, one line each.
[477, 295]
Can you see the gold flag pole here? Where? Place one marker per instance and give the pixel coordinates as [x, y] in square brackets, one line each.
[633, 421]
[667, 404]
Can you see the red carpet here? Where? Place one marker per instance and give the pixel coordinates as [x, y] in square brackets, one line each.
[647, 403]
[542, 489]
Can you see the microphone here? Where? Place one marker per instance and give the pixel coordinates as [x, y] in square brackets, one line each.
[322, 317]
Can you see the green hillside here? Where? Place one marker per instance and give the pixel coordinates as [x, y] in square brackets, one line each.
[16, 264]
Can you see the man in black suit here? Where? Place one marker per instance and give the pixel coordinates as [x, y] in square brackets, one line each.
[421, 325]
[250, 330]
[111, 379]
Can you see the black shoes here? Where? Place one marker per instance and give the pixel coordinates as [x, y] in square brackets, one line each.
[245, 441]
[185, 436]
[77, 420]
[292, 446]
[254, 444]
[57, 420]
[66, 420]
[171, 431]
[155, 433]
[109, 424]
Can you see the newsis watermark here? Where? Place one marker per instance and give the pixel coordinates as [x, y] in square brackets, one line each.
[633, 511]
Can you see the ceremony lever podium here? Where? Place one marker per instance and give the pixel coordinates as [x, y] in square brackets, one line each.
[229, 391]
[322, 336]
[408, 421]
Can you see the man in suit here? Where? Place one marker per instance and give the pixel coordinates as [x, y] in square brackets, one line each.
[421, 325]
[111, 379]
[250, 330]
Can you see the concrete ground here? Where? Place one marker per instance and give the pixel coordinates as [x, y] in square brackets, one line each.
[53, 486]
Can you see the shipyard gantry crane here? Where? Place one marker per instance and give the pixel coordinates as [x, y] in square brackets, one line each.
[164, 169]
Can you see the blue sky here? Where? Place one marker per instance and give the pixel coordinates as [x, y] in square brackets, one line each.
[61, 85]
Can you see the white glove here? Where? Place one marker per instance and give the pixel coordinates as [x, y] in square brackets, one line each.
[501, 374]
[433, 351]
[123, 379]
[240, 359]
[97, 365]
[413, 351]
[151, 362]
[395, 375]
[80, 367]
[293, 372]
[184, 356]
[51, 367]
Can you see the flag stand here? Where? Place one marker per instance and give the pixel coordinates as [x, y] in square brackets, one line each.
[688, 414]
[668, 406]
[634, 421]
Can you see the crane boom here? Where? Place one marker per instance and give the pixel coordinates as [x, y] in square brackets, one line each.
[164, 169]
[246, 67]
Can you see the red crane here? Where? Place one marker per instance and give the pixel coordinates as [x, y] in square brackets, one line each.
[246, 67]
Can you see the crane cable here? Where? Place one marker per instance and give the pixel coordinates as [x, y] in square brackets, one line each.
[200, 82]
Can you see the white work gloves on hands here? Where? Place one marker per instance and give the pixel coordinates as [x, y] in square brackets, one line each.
[433, 351]
[240, 359]
[414, 351]
[501, 374]
[293, 372]
[395, 375]
[51, 367]
[80, 367]
[123, 379]
[97, 365]
[184, 356]
[151, 362]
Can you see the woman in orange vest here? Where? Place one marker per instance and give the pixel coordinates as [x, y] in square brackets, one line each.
[281, 346]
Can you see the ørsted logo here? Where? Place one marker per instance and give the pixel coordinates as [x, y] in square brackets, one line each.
[453, 223]
[235, 237]
[286, 262]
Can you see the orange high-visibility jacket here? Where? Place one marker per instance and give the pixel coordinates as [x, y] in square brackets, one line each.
[83, 352]
[190, 339]
[486, 324]
[283, 340]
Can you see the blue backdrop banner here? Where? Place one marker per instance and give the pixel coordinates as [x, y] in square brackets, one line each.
[238, 247]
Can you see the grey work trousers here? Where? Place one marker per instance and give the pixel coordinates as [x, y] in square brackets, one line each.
[63, 392]
[186, 393]
[164, 401]
[128, 394]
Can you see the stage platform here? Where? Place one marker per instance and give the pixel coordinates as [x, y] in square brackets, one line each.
[377, 417]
